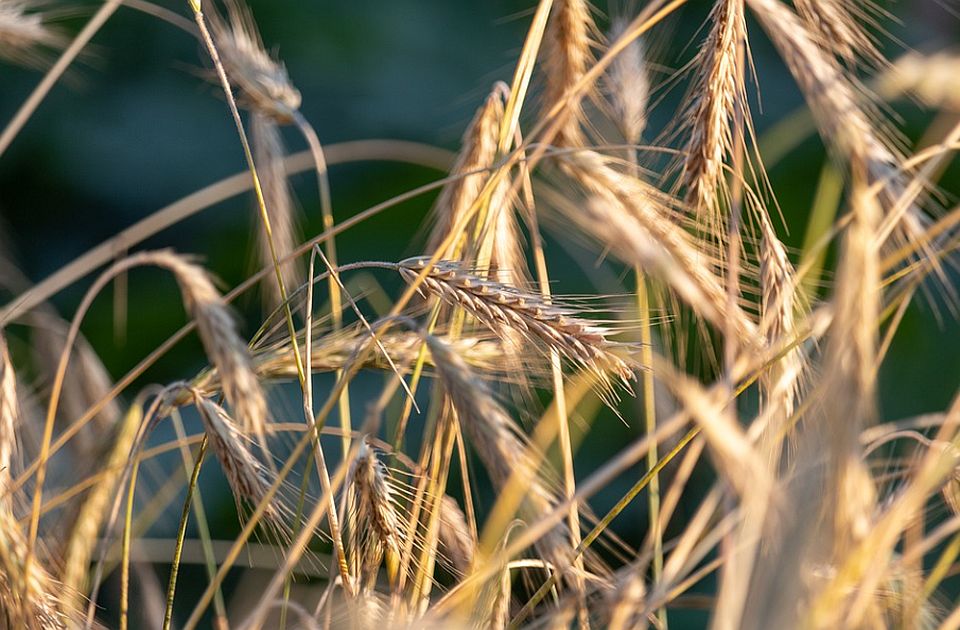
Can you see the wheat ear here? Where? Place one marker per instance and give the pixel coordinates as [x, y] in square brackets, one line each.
[376, 529]
[507, 310]
[567, 56]
[218, 332]
[25, 37]
[717, 93]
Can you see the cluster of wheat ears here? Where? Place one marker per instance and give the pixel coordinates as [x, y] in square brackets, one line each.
[734, 354]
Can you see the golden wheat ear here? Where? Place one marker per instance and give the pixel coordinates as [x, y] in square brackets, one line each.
[627, 86]
[26, 37]
[567, 55]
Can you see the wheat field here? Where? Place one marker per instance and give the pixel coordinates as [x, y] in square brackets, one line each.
[620, 378]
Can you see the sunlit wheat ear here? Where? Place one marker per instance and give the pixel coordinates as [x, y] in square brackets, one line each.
[931, 78]
[32, 601]
[507, 311]
[566, 57]
[846, 120]
[218, 332]
[264, 84]
[478, 152]
[83, 534]
[84, 385]
[249, 479]
[457, 543]
[781, 382]
[25, 37]
[492, 434]
[628, 86]
[837, 26]
[268, 155]
[375, 532]
[9, 421]
[712, 104]
[632, 219]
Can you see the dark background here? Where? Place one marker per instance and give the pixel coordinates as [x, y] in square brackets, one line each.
[135, 127]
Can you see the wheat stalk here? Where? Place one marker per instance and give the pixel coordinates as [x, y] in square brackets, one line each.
[506, 310]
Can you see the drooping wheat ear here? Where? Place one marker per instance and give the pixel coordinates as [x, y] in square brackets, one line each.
[85, 528]
[628, 86]
[218, 333]
[268, 155]
[837, 25]
[493, 435]
[846, 119]
[264, 84]
[376, 528]
[84, 385]
[248, 477]
[632, 219]
[457, 543]
[24, 34]
[30, 601]
[9, 420]
[567, 55]
[717, 94]
[778, 290]
[507, 310]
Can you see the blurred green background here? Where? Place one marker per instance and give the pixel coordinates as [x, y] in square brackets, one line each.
[135, 127]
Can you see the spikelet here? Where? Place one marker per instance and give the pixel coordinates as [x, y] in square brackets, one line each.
[491, 432]
[9, 421]
[268, 155]
[630, 218]
[25, 37]
[628, 86]
[223, 346]
[249, 479]
[717, 93]
[457, 543]
[506, 310]
[264, 83]
[376, 532]
[837, 27]
[566, 58]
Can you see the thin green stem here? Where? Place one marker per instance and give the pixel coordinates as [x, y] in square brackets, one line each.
[181, 534]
